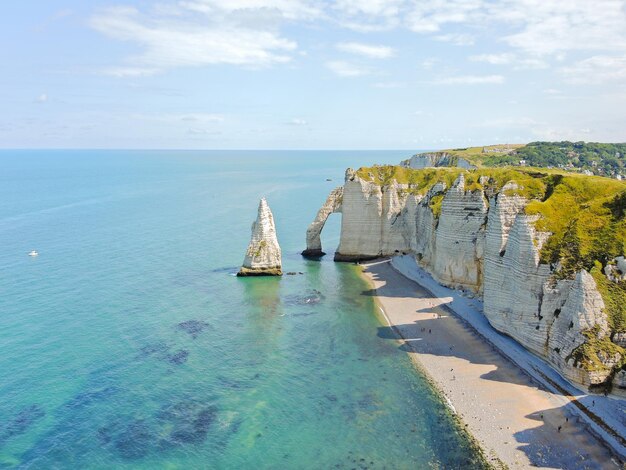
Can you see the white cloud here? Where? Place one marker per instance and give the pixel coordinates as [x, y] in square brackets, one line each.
[472, 80]
[298, 122]
[537, 31]
[428, 64]
[43, 98]
[553, 26]
[457, 39]
[172, 118]
[203, 32]
[367, 50]
[286, 9]
[509, 59]
[430, 17]
[597, 70]
[124, 72]
[347, 69]
[495, 59]
[508, 122]
[545, 27]
[372, 8]
[388, 85]
[200, 131]
[369, 15]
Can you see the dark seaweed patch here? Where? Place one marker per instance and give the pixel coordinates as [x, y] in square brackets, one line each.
[135, 440]
[193, 327]
[21, 422]
[190, 421]
[158, 348]
[180, 423]
[196, 430]
[179, 357]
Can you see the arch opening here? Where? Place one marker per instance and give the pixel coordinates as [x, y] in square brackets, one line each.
[313, 233]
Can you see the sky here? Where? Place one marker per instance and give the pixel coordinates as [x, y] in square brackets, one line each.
[300, 74]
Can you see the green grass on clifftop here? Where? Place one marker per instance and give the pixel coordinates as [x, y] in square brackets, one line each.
[599, 158]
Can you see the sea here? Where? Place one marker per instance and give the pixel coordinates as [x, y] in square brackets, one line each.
[129, 342]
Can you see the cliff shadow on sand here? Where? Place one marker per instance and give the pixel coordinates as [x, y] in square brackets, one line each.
[503, 406]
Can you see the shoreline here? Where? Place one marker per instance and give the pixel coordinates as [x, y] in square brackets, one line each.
[512, 417]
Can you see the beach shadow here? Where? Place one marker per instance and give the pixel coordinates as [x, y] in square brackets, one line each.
[417, 338]
[560, 440]
[543, 443]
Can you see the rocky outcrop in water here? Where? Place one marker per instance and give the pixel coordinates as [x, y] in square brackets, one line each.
[263, 256]
[482, 240]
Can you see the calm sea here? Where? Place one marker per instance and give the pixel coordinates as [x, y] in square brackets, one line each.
[128, 342]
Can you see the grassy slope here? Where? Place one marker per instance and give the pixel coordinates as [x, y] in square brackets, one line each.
[600, 158]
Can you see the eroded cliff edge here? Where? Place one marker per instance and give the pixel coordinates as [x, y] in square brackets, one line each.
[542, 249]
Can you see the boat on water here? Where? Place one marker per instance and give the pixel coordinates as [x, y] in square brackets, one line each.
[33, 253]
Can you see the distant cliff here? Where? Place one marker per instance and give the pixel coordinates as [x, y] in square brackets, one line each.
[436, 159]
[590, 158]
[536, 246]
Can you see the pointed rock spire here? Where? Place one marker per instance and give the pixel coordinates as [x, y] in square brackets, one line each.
[263, 257]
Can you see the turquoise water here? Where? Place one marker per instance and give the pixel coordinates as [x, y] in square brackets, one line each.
[128, 342]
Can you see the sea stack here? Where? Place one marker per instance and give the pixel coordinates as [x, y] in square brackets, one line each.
[263, 256]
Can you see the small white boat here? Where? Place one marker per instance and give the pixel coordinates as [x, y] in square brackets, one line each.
[33, 253]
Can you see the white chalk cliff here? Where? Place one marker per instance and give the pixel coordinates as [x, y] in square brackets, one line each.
[263, 256]
[484, 242]
[436, 159]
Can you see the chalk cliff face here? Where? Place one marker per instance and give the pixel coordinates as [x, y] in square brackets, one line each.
[482, 241]
[436, 159]
[263, 256]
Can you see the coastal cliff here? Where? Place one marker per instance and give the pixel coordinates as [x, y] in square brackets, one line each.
[436, 159]
[528, 243]
[263, 256]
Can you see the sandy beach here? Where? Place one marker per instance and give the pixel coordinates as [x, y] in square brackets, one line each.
[513, 418]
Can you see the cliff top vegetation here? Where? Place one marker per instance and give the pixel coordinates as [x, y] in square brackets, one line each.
[601, 159]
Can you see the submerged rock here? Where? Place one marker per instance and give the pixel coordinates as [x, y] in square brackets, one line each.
[263, 257]
[193, 327]
[311, 298]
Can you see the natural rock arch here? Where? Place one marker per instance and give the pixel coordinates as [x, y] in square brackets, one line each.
[313, 240]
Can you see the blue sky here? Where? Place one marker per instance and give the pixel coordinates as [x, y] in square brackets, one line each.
[299, 74]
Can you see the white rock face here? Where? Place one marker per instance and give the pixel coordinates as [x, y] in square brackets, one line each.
[313, 240]
[489, 247]
[263, 257]
[374, 222]
[616, 272]
[460, 238]
[436, 159]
